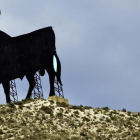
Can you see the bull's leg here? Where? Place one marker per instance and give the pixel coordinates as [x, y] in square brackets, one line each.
[51, 79]
[31, 80]
[6, 87]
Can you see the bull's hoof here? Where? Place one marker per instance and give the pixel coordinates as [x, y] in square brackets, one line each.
[52, 95]
[8, 100]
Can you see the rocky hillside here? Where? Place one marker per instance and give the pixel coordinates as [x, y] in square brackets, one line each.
[40, 119]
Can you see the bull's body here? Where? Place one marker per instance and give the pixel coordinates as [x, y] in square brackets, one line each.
[26, 54]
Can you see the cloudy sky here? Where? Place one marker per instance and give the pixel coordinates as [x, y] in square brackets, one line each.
[97, 41]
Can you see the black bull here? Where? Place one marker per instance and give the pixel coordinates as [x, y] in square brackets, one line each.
[24, 55]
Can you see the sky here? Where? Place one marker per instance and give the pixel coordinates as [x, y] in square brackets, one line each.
[98, 44]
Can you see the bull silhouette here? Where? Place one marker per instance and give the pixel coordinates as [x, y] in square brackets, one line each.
[26, 54]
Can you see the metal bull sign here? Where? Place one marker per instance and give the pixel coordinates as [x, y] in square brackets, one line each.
[25, 54]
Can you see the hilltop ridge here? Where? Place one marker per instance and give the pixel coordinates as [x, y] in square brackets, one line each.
[40, 119]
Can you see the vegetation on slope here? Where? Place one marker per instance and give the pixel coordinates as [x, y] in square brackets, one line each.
[40, 119]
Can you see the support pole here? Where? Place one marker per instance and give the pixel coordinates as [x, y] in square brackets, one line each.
[37, 92]
[13, 91]
[58, 88]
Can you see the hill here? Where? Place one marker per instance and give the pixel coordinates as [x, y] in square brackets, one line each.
[40, 119]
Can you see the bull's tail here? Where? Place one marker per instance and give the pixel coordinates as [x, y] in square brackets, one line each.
[58, 73]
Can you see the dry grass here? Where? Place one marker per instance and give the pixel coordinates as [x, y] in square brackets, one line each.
[40, 119]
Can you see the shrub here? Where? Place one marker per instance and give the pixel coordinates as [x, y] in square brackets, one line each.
[136, 133]
[23, 123]
[81, 124]
[87, 107]
[61, 109]
[71, 115]
[59, 115]
[130, 118]
[98, 138]
[62, 104]
[135, 115]
[75, 138]
[94, 117]
[78, 107]
[11, 105]
[18, 103]
[28, 107]
[106, 108]
[46, 109]
[122, 115]
[49, 121]
[66, 112]
[20, 107]
[83, 133]
[76, 112]
[123, 110]
[43, 117]
[24, 101]
[129, 113]
[114, 118]
[1, 132]
[1, 120]
[129, 123]
[54, 127]
[108, 120]
[85, 119]
[101, 119]
[51, 101]
[99, 130]
[11, 120]
[11, 110]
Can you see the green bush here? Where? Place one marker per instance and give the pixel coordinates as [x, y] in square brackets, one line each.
[106, 108]
[129, 113]
[123, 110]
[108, 120]
[114, 118]
[98, 138]
[129, 123]
[78, 107]
[131, 118]
[11, 110]
[75, 138]
[1, 131]
[135, 115]
[76, 112]
[51, 101]
[1, 120]
[87, 107]
[62, 104]
[85, 119]
[66, 112]
[18, 103]
[136, 134]
[24, 101]
[61, 109]
[20, 106]
[3, 112]
[59, 115]
[81, 124]
[11, 105]
[122, 115]
[46, 109]
[99, 130]
[83, 133]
